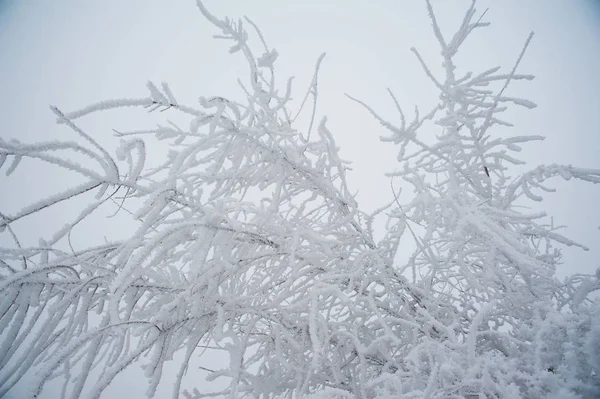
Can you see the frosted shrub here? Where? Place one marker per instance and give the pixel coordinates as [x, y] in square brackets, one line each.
[249, 242]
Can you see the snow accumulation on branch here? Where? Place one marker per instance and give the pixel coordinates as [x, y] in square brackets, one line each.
[250, 244]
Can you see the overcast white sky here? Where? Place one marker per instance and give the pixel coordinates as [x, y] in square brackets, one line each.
[71, 52]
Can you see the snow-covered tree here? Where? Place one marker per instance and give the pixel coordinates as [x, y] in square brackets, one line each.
[250, 243]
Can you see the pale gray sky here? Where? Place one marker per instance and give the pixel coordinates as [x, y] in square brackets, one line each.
[71, 52]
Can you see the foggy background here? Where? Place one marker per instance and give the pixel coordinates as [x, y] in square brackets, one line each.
[71, 53]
